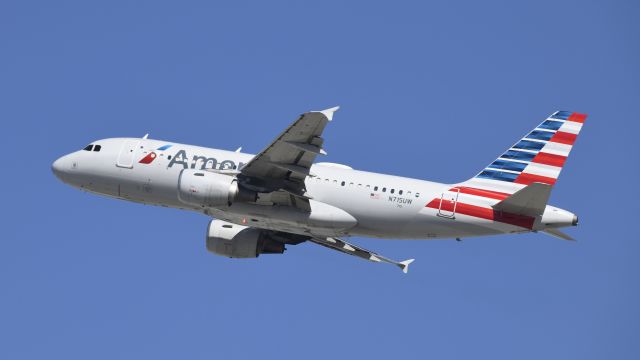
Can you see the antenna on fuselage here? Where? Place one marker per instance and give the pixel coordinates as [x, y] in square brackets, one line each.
[145, 136]
[238, 149]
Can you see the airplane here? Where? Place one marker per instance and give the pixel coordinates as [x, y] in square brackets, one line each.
[261, 203]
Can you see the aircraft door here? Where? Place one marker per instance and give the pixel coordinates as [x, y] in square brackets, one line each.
[448, 203]
[127, 153]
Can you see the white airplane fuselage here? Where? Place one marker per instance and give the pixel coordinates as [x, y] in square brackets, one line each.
[344, 202]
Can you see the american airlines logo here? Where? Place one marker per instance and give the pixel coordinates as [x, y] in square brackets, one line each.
[148, 159]
[181, 158]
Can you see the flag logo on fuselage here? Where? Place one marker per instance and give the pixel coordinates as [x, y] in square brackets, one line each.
[148, 159]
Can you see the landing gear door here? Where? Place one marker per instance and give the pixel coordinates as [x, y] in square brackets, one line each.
[448, 203]
[127, 153]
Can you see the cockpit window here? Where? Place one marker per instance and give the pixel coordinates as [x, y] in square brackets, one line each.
[97, 147]
[88, 148]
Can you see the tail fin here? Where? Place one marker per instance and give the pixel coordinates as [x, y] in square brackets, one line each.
[536, 158]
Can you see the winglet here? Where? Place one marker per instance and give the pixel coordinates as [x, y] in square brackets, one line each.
[329, 112]
[404, 265]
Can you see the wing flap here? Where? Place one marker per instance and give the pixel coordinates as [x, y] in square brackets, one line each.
[300, 170]
[307, 147]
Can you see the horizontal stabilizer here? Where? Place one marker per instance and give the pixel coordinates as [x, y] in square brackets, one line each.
[530, 200]
[558, 234]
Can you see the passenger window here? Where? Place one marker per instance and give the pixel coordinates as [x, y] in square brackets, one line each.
[384, 189]
[169, 157]
[375, 188]
[97, 148]
[400, 192]
[88, 148]
[392, 190]
[417, 194]
[342, 183]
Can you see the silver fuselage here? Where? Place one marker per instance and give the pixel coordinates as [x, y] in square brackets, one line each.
[398, 212]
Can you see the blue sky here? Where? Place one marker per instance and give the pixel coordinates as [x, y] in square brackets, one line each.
[431, 90]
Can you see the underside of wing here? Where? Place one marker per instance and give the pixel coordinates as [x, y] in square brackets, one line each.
[284, 198]
[285, 163]
[357, 251]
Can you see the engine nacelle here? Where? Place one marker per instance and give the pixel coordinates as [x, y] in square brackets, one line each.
[210, 189]
[237, 241]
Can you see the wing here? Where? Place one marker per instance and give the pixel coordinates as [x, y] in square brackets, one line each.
[285, 163]
[345, 247]
[335, 244]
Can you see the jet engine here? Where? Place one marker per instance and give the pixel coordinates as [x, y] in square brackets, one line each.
[210, 189]
[237, 241]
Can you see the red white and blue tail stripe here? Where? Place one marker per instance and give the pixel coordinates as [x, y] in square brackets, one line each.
[538, 157]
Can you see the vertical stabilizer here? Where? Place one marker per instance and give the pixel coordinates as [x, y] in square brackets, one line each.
[537, 158]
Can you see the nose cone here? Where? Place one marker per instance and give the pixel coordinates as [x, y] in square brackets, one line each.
[61, 167]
